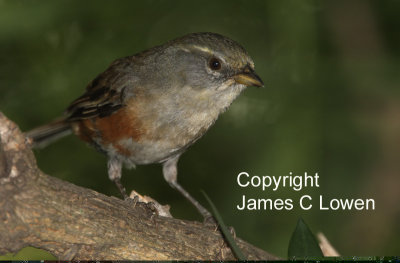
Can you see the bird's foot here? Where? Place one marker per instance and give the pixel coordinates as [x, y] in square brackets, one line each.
[153, 205]
[132, 201]
[210, 222]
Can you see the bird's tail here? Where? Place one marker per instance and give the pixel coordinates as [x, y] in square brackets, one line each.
[46, 134]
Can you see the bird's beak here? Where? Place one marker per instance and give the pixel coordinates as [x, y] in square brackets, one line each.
[249, 78]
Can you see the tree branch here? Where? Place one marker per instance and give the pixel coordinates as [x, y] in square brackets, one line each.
[72, 222]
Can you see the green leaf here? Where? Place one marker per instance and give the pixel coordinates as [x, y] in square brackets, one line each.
[29, 253]
[225, 232]
[303, 243]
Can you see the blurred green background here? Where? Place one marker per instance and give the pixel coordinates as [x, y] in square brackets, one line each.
[331, 105]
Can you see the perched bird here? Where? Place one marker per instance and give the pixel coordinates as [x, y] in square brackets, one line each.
[150, 107]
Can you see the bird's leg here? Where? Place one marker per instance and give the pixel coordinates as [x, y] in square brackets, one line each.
[170, 173]
[115, 174]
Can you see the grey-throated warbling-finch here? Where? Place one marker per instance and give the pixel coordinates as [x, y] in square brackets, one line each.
[150, 107]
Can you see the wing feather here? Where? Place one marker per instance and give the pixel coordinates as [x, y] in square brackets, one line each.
[104, 95]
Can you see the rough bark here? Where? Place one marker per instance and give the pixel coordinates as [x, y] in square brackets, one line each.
[72, 222]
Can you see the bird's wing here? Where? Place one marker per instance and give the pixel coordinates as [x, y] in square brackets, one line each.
[104, 95]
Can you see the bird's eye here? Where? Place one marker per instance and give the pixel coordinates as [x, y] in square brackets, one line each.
[215, 64]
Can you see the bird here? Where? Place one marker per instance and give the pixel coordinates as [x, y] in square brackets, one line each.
[152, 106]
